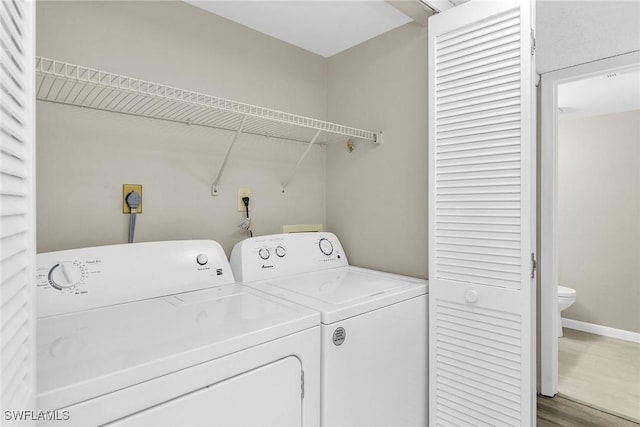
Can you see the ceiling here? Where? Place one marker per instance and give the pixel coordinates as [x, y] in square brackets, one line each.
[568, 33]
[324, 27]
[613, 92]
[576, 32]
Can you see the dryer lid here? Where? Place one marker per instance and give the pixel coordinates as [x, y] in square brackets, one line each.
[344, 292]
[85, 354]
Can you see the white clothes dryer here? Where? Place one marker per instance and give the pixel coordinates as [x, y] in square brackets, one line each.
[374, 326]
[159, 334]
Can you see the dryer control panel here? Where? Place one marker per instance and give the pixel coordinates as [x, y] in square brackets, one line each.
[81, 279]
[277, 255]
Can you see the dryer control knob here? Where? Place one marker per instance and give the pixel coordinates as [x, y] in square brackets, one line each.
[64, 275]
[280, 251]
[202, 259]
[326, 247]
[264, 253]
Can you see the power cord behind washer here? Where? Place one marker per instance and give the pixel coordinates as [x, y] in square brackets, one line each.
[133, 199]
[245, 200]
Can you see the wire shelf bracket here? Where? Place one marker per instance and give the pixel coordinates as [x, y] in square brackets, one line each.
[66, 83]
[295, 168]
[214, 187]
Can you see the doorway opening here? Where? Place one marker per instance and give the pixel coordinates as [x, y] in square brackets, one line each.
[590, 232]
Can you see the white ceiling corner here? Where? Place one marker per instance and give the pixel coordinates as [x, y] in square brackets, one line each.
[572, 32]
[324, 27]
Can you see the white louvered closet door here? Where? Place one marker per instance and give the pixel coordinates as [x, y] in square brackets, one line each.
[481, 217]
[17, 207]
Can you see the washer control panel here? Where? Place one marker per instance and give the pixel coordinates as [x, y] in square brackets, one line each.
[66, 275]
[81, 279]
[325, 245]
[276, 255]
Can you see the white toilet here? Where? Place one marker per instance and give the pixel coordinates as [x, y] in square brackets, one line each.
[566, 297]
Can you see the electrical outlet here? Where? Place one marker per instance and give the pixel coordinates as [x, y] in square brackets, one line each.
[243, 192]
[126, 189]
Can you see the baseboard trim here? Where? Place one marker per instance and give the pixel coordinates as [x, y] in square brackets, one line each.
[606, 331]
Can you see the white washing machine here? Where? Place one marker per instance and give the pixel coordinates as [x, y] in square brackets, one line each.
[374, 326]
[159, 334]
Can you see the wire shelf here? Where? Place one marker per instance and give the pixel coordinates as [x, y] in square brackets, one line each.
[71, 84]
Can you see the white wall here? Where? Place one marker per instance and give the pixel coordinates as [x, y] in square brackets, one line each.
[84, 156]
[377, 196]
[599, 218]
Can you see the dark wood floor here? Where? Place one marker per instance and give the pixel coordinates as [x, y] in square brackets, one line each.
[560, 411]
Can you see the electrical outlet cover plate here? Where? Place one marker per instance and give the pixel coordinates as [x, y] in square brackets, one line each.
[126, 189]
[243, 192]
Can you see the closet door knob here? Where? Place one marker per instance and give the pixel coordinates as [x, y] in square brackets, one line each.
[471, 296]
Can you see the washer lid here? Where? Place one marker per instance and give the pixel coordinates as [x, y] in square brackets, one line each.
[86, 354]
[344, 292]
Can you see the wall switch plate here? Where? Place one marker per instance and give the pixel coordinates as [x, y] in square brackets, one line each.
[126, 189]
[243, 192]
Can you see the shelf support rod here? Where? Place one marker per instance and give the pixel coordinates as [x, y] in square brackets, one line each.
[214, 187]
[293, 172]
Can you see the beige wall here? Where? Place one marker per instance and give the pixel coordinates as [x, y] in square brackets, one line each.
[377, 196]
[599, 218]
[84, 156]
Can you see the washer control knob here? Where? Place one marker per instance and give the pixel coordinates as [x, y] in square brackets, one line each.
[280, 251]
[202, 259]
[326, 247]
[264, 253]
[64, 275]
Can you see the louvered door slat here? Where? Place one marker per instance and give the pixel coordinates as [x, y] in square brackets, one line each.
[451, 355]
[505, 88]
[478, 59]
[480, 293]
[13, 323]
[483, 108]
[479, 114]
[496, 62]
[494, 394]
[480, 27]
[484, 411]
[14, 347]
[495, 381]
[12, 287]
[492, 354]
[472, 88]
[504, 116]
[13, 68]
[13, 185]
[17, 207]
[494, 31]
[475, 152]
[13, 99]
[12, 158]
[492, 387]
[13, 225]
[473, 147]
[12, 129]
[16, 381]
